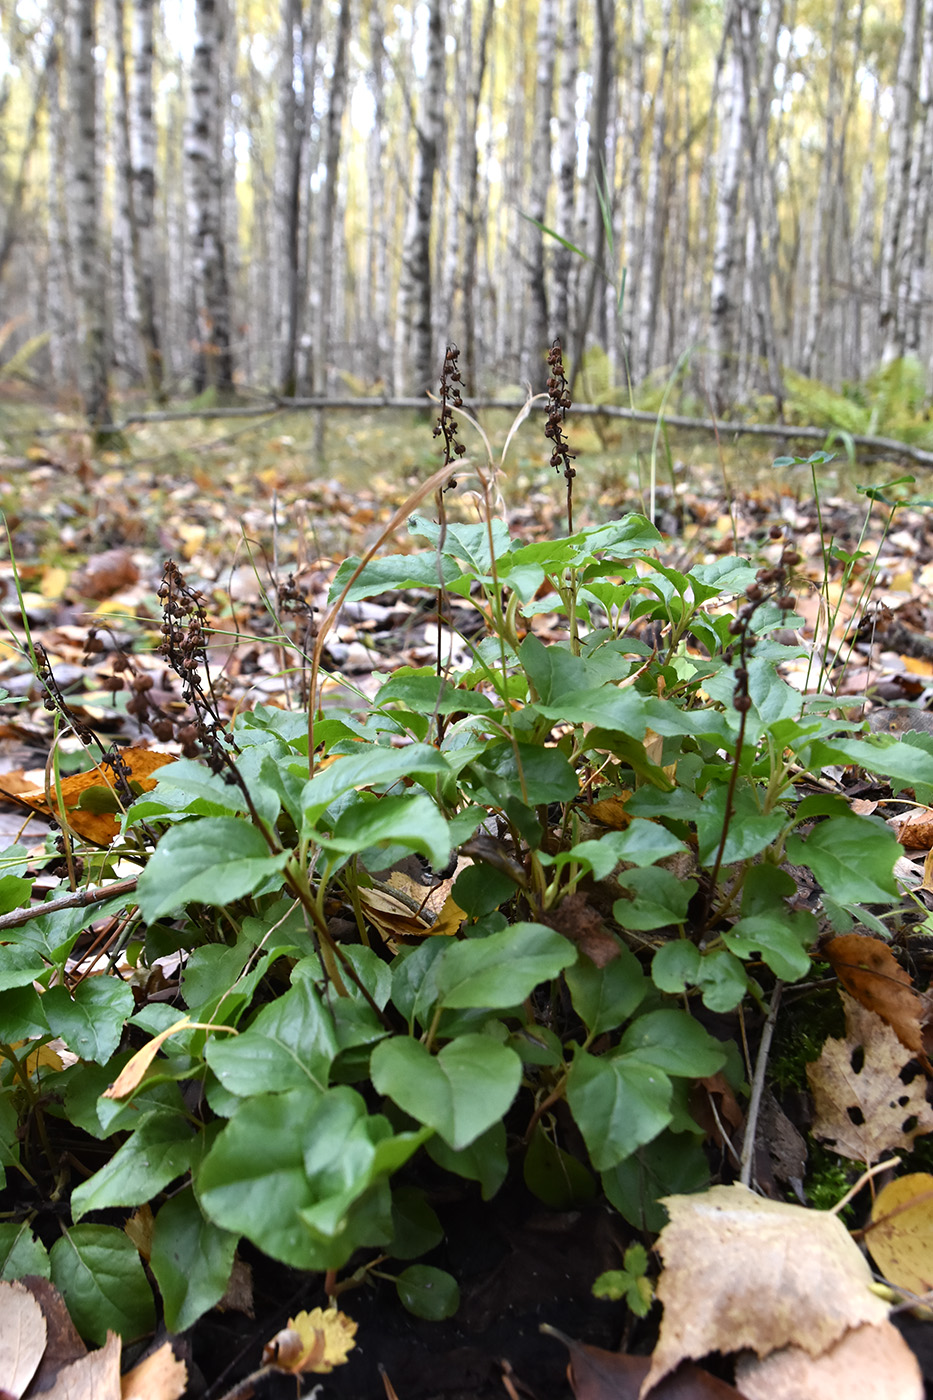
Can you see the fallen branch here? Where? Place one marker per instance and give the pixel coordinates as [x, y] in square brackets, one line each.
[726, 428]
[79, 899]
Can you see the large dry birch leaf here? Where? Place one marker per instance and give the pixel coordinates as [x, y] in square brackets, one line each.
[900, 1239]
[93, 1377]
[741, 1272]
[22, 1337]
[862, 1106]
[868, 1363]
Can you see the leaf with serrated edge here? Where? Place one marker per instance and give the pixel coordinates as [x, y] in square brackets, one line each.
[743, 1271]
[22, 1337]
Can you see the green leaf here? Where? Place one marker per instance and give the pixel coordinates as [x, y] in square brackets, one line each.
[750, 829]
[659, 899]
[467, 542]
[604, 997]
[558, 1179]
[21, 1014]
[905, 763]
[782, 939]
[410, 821]
[480, 888]
[528, 772]
[20, 967]
[372, 767]
[14, 892]
[674, 1164]
[501, 969]
[427, 1292]
[415, 1226]
[214, 860]
[676, 966]
[484, 1160]
[191, 1260]
[21, 1253]
[160, 1150]
[393, 572]
[290, 1043]
[99, 1273]
[618, 1105]
[723, 981]
[460, 1092]
[91, 1019]
[852, 857]
[675, 1042]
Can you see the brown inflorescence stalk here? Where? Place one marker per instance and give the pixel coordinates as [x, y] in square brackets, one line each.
[558, 402]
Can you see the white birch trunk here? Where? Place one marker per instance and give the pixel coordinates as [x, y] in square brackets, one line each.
[417, 365]
[84, 212]
[537, 339]
[891, 320]
[563, 258]
[204, 164]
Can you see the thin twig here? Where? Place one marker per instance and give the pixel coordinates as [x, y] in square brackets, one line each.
[758, 1085]
[78, 900]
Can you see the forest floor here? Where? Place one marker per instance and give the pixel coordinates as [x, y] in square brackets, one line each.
[243, 508]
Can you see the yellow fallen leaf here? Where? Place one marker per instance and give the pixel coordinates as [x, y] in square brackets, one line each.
[900, 1238]
[53, 582]
[315, 1341]
[131, 1075]
[160, 1376]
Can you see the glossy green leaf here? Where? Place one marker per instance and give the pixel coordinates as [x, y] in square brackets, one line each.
[781, 938]
[428, 1292]
[852, 857]
[290, 1043]
[750, 829]
[460, 1092]
[659, 898]
[415, 1226]
[372, 766]
[674, 1164]
[410, 821]
[618, 1105]
[91, 1019]
[676, 966]
[605, 997]
[675, 1042]
[160, 1150]
[556, 1177]
[501, 969]
[214, 860]
[21, 1253]
[191, 1260]
[99, 1273]
[484, 1160]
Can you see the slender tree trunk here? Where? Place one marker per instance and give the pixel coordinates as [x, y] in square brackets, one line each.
[415, 357]
[566, 170]
[723, 305]
[891, 319]
[915, 288]
[633, 203]
[204, 162]
[290, 134]
[322, 286]
[142, 144]
[57, 292]
[649, 279]
[537, 340]
[84, 213]
[471, 210]
[604, 59]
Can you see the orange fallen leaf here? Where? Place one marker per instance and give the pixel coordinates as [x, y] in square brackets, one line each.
[868, 970]
[160, 1376]
[91, 800]
[915, 829]
[133, 1072]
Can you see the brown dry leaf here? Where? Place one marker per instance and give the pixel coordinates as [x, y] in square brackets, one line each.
[139, 1229]
[315, 1341]
[869, 1363]
[22, 1337]
[392, 915]
[596, 1374]
[63, 1345]
[93, 1377]
[160, 1376]
[915, 829]
[105, 574]
[743, 1272]
[900, 1238]
[238, 1296]
[867, 969]
[93, 790]
[863, 1112]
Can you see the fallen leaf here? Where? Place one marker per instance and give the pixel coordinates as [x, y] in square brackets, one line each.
[238, 1296]
[22, 1337]
[867, 969]
[914, 830]
[160, 1376]
[131, 1075]
[900, 1237]
[596, 1374]
[868, 1363]
[315, 1341]
[139, 1228]
[90, 799]
[63, 1344]
[741, 1271]
[105, 574]
[862, 1106]
[610, 811]
[93, 1377]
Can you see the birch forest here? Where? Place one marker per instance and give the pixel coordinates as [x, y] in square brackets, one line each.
[305, 198]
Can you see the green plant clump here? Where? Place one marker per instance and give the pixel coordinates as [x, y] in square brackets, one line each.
[285, 1090]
